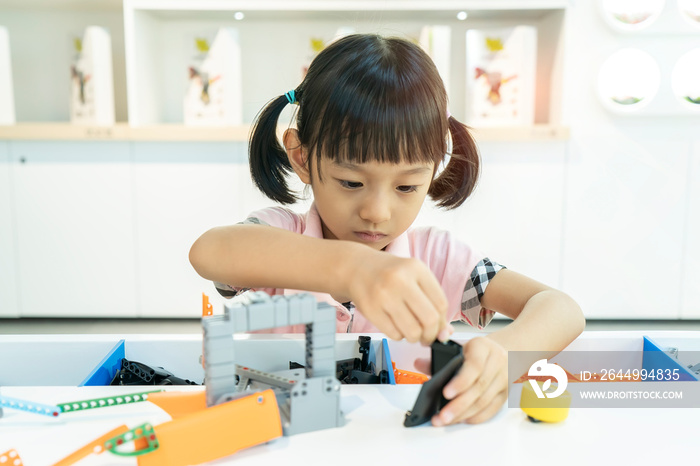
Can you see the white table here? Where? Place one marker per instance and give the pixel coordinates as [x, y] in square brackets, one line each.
[374, 432]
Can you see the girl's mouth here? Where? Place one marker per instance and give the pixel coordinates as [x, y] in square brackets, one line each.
[370, 236]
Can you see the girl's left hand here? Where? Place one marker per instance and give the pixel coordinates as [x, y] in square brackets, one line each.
[479, 389]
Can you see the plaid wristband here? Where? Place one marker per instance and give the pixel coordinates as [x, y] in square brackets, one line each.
[479, 279]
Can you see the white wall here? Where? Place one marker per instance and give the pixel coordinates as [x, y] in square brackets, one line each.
[626, 230]
[690, 293]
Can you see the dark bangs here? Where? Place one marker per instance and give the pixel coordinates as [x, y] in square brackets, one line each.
[368, 98]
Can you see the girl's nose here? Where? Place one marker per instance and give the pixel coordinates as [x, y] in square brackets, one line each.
[375, 209]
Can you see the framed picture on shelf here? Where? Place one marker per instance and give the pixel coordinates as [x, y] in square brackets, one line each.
[7, 101]
[501, 68]
[92, 83]
[214, 96]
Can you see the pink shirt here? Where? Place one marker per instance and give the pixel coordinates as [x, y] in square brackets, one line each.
[462, 272]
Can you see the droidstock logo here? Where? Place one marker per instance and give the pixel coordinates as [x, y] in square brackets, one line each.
[542, 368]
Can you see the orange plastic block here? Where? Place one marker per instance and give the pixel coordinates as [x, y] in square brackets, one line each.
[178, 404]
[207, 308]
[10, 458]
[96, 446]
[408, 377]
[216, 432]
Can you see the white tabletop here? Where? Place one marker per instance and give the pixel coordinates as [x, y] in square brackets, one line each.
[374, 433]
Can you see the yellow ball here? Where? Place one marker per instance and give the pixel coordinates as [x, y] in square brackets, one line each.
[544, 409]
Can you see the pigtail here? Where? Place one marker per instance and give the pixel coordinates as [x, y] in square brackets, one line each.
[269, 165]
[457, 181]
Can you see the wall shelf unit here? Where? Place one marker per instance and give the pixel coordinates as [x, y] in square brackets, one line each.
[152, 49]
[275, 41]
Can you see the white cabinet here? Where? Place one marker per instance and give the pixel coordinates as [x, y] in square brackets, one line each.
[510, 218]
[690, 304]
[75, 229]
[181, 190]
[9, 306]
[624, 230]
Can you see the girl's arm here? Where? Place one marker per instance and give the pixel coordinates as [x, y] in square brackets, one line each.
[545, 320]
[259, 256]
[400, 296]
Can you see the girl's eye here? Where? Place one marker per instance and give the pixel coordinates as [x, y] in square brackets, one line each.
[350, 184]
[407, 188]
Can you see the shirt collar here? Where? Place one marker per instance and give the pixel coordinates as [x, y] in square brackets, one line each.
[313, 228]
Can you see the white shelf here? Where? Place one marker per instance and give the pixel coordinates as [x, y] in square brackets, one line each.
[121, 132]
[174, 132]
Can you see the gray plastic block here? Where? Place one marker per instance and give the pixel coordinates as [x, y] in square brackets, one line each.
[322, 340]
[218, 382]
[281, 306]
[327, 352]
[291, 374]
[239, 316]
[215, 371]
[258, 297]
[324, 311]
[261, 316]
[220, 356]
[221, 342]
[265, 377]
[326, 327]
[217, 388]
[314, 404]
[308, 306]
[215, 326]
[294, 306]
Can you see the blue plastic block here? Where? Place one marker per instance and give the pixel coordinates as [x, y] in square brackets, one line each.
[387, 361]
[654, 357]
[107, 368]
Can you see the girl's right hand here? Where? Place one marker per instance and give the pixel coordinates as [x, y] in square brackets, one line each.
[400, 296]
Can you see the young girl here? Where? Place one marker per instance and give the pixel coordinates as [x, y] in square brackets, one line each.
[372, 130]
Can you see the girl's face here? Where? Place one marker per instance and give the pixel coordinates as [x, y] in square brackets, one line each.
[370, 203]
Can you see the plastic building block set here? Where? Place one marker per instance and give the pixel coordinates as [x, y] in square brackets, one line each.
[242, 406]
[308, 403]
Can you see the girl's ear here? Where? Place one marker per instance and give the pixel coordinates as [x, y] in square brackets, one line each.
[298, 157]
